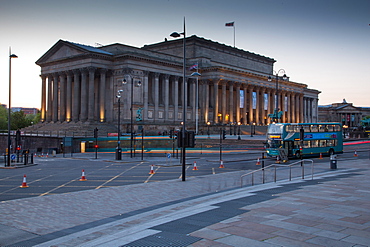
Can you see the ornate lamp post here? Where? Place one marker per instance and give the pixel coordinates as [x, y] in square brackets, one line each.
[276, 115]
[118, 148]
[10, 101]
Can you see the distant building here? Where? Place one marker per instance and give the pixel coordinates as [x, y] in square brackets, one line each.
[27, 111]
[344, 112]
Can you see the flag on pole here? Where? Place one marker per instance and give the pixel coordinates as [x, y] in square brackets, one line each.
[229, 24]
[195, 66]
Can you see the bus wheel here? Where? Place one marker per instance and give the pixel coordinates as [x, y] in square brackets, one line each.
[298, 155]
[331, 152]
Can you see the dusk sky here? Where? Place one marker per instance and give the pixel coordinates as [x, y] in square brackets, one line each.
[322, 43]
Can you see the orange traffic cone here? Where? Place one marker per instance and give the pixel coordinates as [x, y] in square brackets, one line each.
[83, 178]
[221, 164]
[258, 162]
[42, 155]
[47, 155]
[355, 154]
[195, 168]
[320, 156]
[24, 184]
[152, 169]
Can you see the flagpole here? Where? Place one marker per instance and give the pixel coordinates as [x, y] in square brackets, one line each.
[234, 34]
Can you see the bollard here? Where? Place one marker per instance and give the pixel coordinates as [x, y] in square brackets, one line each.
[333, 162]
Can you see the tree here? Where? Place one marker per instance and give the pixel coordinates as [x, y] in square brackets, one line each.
[3, 118]
[19, 120]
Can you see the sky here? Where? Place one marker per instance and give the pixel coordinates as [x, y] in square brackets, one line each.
[322, 43]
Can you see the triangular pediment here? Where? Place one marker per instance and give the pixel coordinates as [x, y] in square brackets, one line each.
[66, 50]
[348, 108]
[61, 50]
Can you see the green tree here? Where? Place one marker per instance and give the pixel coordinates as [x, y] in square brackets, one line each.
[19, 120]
[3, 118]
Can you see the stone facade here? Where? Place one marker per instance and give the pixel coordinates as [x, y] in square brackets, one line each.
[345, 113]
[80, 84]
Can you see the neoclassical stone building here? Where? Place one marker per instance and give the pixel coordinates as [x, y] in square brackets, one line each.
[80, 84]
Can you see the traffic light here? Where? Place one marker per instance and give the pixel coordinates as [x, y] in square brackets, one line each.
[190, 139]
[18, 136]
[96, 146]
[18, 148]
[96, 133]
[171, 133]
[223, 134]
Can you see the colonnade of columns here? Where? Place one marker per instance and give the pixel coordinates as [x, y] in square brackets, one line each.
[87, 94]
[76, 95]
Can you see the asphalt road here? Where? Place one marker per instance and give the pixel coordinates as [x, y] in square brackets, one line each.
[55, 175]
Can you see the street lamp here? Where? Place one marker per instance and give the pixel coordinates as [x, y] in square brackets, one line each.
[208, 123]
[184, 86]
[276, 111]
[118, 148]
[252, 128]
[239, 138]
[138, 84]
[10, 101]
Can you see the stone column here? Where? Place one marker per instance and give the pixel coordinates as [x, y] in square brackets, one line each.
[146, 94]
[215, 103]
[69, 96]
[294, 107]
[166, 96]
[289, 110]
[76, 95]
[263, 106]
[102, 117]
[55, 97]
[43, 98]
[258, 106]
[231, 102]
[176, 98]
[91, 97]
[223, 102]
[83, 110]
[301, 107]
[49, 111]
[250, 100]
[245, 120]
[237, 100]
[62, 106]
[156, 95]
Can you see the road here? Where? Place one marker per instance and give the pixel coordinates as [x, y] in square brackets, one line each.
[55, 175]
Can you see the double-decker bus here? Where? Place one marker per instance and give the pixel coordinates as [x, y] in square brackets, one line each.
[304, 139]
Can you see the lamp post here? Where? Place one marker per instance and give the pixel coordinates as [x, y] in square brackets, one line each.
[118, 148]
[184, 86]
[10, 101]
[276, 111]
[239, 138]
[138, 84]
[208, 123]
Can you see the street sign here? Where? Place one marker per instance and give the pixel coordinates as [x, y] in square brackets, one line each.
[12, 157]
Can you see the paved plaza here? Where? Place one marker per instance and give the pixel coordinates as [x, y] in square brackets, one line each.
[332, 209]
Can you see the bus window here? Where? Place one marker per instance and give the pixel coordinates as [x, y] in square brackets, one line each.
[314, 128]
[306, 144]
[314, 143]
[306, 128]
[322, 143]
[336, 127]
[323, 128]
[289, 128]
[331, 143]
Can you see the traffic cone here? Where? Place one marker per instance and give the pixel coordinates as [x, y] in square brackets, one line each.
[195, 168]
[222, 164]
[47, 155]
[320, 156]
[83, 178]
[355, 154]
[258, 162]
[42, 155]
[24, 184]
[152, 169]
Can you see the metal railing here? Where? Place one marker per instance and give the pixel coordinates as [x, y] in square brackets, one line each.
[274, 167]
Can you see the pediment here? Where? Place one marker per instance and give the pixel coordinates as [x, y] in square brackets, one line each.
[348, 108]
[61, 50]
